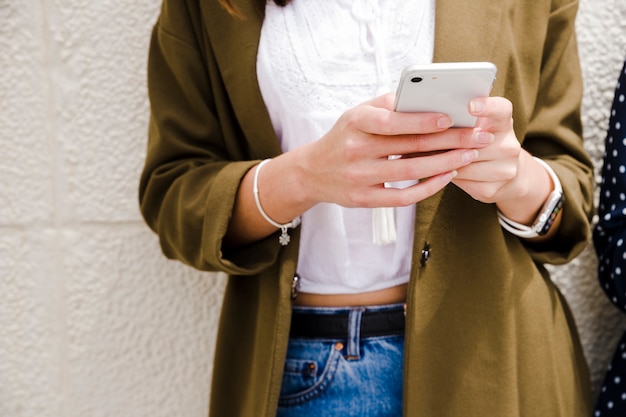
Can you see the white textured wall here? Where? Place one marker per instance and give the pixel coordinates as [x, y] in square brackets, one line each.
[93, 320]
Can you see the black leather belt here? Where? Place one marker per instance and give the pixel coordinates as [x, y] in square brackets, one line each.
[335, 326]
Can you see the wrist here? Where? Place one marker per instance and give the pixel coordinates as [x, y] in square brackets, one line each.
[287, 186]
[304, 165]
[301, 177]
[530, 191]
[547, 215]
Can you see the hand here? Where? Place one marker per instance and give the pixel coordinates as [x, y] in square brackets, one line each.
[491, 176]
[503, 173]
[349, 165]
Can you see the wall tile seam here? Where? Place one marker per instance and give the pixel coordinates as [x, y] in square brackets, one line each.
[113, 225]
[53, 72]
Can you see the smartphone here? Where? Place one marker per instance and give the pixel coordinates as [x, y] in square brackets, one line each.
[445, 88]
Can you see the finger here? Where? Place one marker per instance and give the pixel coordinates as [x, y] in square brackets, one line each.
[381, 146]
[385, 101]
[393, 197]
[494, 112]
[486, 192]
[422, 145]
[380, 121]
[420, 167]
[456, 138]
[377, 116]
[491, 171]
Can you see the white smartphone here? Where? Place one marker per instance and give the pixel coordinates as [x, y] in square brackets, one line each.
[445, 88]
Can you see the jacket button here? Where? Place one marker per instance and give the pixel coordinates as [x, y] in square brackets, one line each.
[425, 254]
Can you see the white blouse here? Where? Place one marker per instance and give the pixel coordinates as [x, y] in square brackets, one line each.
[316, 60]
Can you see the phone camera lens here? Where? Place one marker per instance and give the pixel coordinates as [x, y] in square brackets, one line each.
[416, 79]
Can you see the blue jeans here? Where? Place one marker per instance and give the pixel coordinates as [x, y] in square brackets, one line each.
[351, 376]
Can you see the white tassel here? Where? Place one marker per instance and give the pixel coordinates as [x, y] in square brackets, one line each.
[384, 225]
[384, 220]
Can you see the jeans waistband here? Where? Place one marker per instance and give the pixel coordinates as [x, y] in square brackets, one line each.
[347, 322]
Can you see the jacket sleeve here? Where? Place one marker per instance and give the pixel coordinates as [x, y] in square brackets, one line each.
[193, 168]
[554, 133]
[610, 232]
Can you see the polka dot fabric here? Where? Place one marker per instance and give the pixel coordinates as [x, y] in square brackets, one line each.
[610, 244]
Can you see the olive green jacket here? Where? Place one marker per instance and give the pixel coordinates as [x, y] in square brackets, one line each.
[488, 334]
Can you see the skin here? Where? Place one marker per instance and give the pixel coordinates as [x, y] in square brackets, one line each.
[349, 166]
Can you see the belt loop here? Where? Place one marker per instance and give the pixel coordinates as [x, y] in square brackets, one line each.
[354, 334]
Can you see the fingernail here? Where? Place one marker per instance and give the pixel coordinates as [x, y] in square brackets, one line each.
[469, 156]
[444, 122]
[484, 138]
[476, 106]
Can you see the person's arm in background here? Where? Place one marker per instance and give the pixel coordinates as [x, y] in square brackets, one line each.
[609, 236]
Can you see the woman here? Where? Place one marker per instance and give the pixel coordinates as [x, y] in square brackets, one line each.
[325, 242]
[608, 239]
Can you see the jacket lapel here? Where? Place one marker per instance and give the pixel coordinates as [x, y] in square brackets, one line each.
[237, 64]
[464, 31]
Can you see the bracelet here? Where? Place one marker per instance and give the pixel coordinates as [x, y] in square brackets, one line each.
[284, 237]
[547, 215]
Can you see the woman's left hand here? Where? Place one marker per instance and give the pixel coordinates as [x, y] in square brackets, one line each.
[504, 173]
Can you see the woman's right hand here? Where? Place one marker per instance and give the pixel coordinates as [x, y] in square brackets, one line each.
[350, 165]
